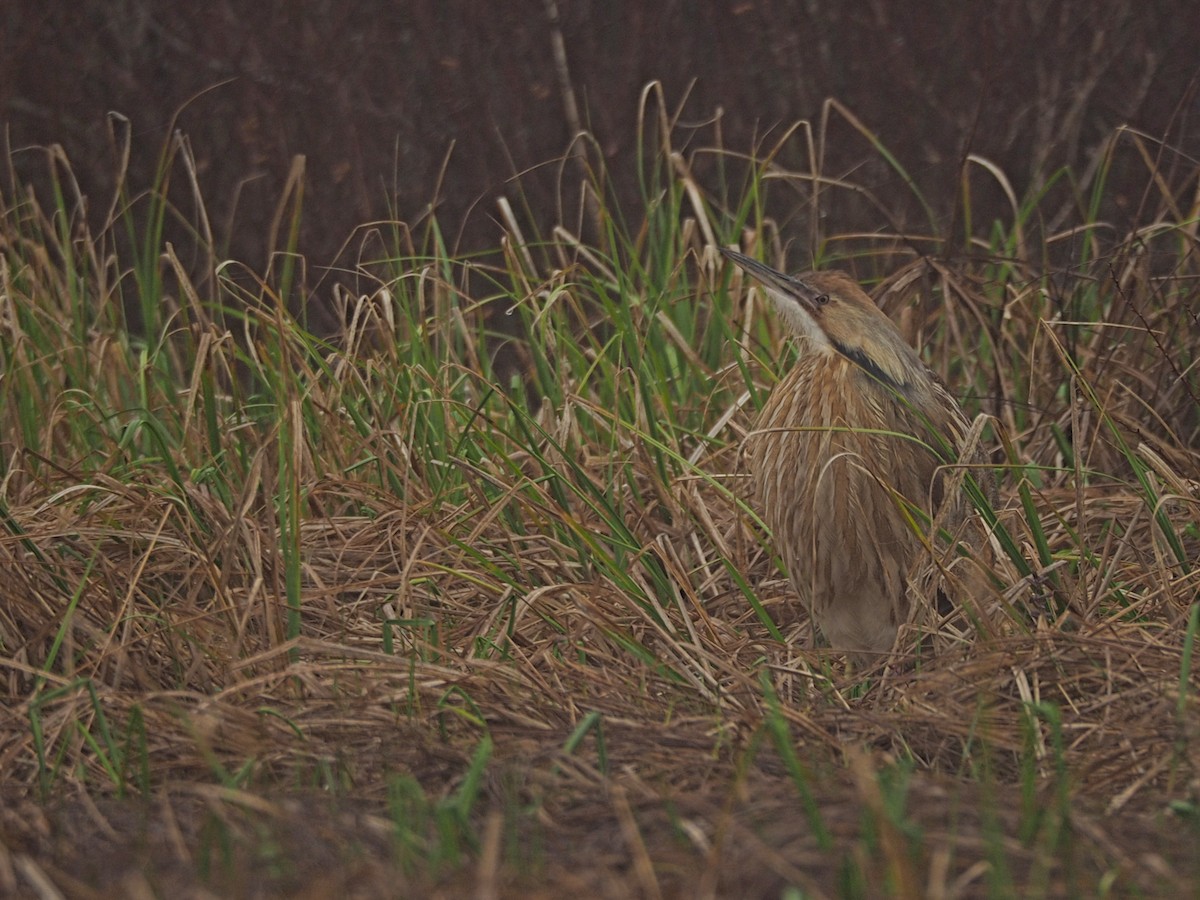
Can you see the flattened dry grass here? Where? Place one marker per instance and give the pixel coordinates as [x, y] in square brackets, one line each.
[468, 597]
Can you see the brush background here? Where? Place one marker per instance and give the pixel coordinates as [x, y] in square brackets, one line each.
[375, 93]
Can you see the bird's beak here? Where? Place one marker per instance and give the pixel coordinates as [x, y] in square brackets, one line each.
[785, 284]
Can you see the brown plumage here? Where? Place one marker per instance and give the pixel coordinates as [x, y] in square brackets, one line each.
[853, 434]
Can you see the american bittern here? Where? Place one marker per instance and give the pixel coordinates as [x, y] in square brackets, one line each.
[854, 439]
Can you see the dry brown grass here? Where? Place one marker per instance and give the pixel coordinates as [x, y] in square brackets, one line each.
[283, 619]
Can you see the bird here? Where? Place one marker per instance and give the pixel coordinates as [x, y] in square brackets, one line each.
[854, 439]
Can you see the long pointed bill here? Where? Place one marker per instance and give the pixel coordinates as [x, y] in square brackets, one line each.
[785, 284]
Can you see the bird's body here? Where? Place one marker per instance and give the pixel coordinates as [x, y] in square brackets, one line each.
[851, 442]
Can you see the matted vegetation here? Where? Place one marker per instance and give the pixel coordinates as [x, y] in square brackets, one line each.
[469, 597]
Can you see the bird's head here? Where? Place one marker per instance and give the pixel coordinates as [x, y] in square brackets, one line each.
[834, 313]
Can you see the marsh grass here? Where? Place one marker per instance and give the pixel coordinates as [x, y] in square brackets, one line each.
[469, 594]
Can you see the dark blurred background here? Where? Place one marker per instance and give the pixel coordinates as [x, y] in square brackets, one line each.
[394, 103]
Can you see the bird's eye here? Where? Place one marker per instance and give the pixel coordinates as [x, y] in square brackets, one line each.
[822, 299]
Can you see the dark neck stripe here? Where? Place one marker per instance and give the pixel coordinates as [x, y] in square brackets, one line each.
[869, 366]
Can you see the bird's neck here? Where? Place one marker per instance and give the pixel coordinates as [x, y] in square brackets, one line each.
[888, 377]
